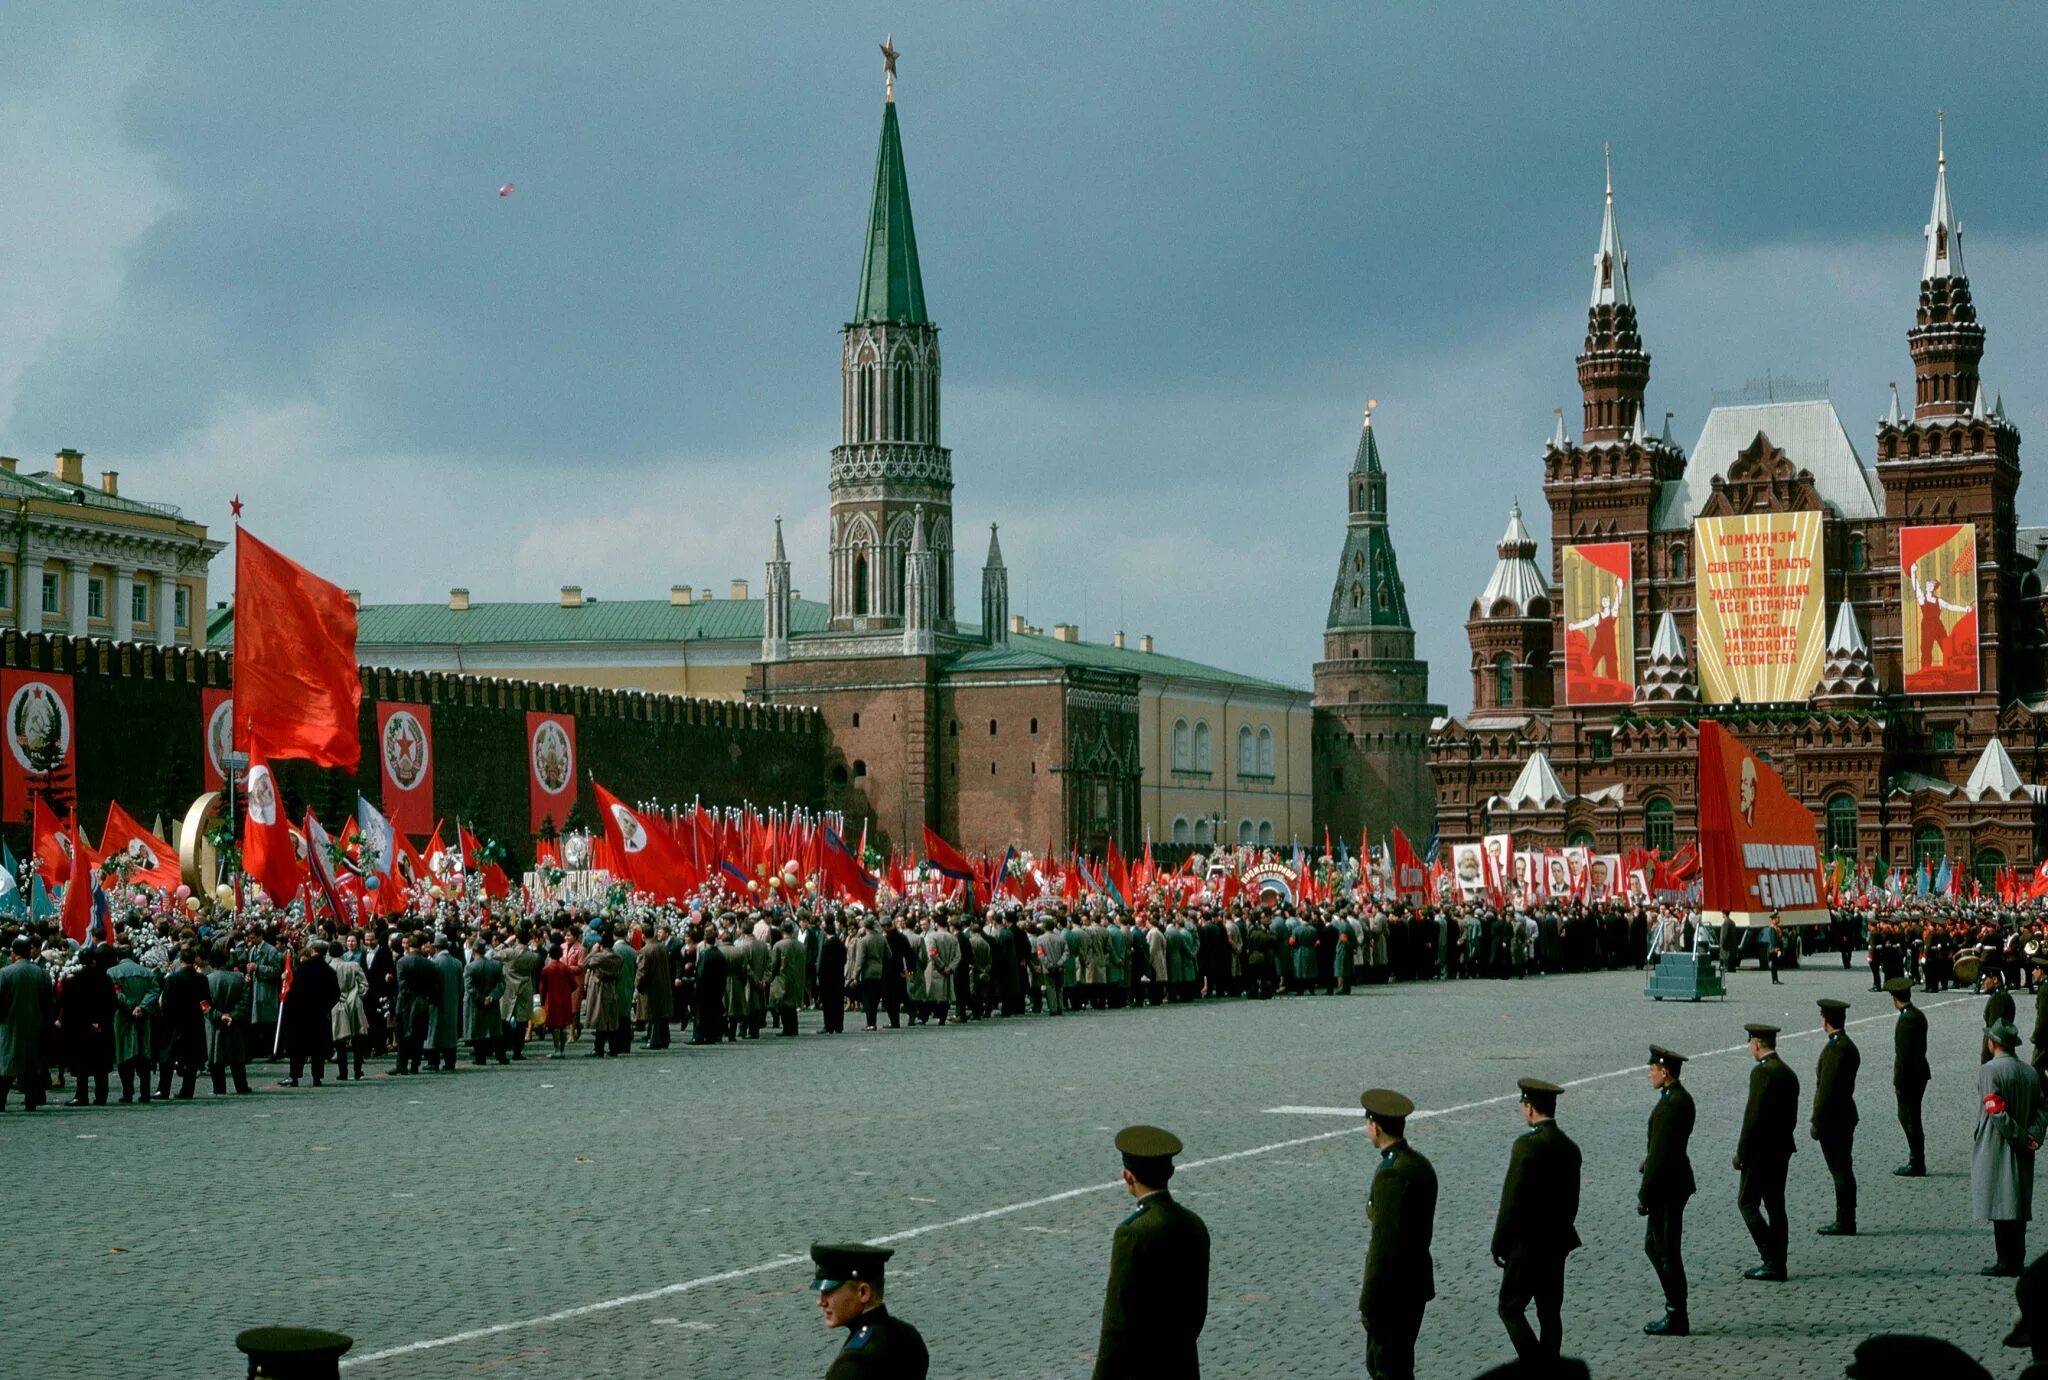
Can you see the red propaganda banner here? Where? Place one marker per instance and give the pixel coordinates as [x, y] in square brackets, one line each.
[1599, 625]
[42, 742]
[217, 720]
[1938, 593]
[405, 755]
[1411, 878]
[1759, 851]
[550, 767]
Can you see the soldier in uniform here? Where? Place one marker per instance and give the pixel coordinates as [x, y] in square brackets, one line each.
[1997, 1004]
[1158, 1295]
[1535, 1229]
[1834, 1114]
[1667, 1183]
[1910, 1074]
[1763, 1155]
[1399, 1277]
[849, 1287]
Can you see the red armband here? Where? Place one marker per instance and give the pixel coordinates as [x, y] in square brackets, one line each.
[1994, 1105]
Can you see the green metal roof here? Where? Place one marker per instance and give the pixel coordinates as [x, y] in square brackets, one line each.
[45, 485]
[1367, 460]
[597, 620]
[1035, 650]
[891, 288]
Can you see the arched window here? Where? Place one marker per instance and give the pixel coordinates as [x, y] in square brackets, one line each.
[1660, 828]
[860, 585]
[1204, 831]
[1857, 552]
[1247, 753]
[1183, 746]
[1201, 745]
[1265, 752]
[1180, 829]
[1265, 833]
[1358, 562]
[1245, 833]
[1929, 845]
[1678, 561]
[1986, 865]
[1579, 838]
[1841, 812]
[1386, 596]
[1357, 596]
[1504, 680]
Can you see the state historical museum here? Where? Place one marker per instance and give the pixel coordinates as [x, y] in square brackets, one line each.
[1873, 629]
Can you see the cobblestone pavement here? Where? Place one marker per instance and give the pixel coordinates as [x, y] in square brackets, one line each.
[649, 1215]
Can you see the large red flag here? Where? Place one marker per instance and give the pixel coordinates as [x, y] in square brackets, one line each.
[495, 883]
[152, 862]
[77, 914]
[297, 693]
[644, 851]
[52, 843]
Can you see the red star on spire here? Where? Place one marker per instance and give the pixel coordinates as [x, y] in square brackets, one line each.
[235, 507]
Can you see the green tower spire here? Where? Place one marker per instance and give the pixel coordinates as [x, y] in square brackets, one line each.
[891, 288]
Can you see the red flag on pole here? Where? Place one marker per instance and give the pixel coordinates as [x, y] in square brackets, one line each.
[77, 914]
[152, 862]
[268, 853]
[297, 692]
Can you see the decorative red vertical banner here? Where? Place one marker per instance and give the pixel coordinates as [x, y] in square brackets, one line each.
[42, 742]
[550, 767]
[405, 755]
[217, 723]
[1938, 593]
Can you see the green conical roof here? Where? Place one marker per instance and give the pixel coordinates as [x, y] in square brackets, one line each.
[891, 289]
[1368, 460]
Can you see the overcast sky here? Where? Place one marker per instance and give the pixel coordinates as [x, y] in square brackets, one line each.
[1172, 251]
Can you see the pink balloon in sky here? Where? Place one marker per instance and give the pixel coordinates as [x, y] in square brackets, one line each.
[505, 190]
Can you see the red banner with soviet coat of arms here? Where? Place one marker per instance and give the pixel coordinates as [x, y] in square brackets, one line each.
[1759, 848]
[217, 718]
[1599, 625]
[550, 767]
[405, 758]
[42, 742]
[1938, 597]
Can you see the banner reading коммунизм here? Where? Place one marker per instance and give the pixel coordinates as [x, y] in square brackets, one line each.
[1760, 630]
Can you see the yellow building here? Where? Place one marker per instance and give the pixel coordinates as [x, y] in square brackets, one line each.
[82, 559]
[1225, 757]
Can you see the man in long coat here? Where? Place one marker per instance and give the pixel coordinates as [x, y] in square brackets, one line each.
[136, 989]
[942, 961]
[181, 1024]
[417, 987]
[1667, 1183]
[657, 994]
[483, 1005]
[709, 1016]
[350, 1019]
[601, 1016]
[2011, 1120]
[308, 1014]
[444, 1026]
[85, 1017]
[265, 971]
[787, 964]
[522, 963]
[1763, 1154]
[227, 1024]
[28, 1019]
[1400, 1278]
[1535, 1229]
[1158, 1294]
[1910, 1073]
[1834, 1113]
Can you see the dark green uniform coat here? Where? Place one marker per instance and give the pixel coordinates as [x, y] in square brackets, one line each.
[1158, 1293]
[882, 1347]
[1399, 1276]
[1666, 1185]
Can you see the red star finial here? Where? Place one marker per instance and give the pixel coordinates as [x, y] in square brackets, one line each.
[235, 507]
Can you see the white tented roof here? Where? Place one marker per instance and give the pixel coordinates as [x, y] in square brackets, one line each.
[1995, 775]
[1537, 785]
[1810, 434]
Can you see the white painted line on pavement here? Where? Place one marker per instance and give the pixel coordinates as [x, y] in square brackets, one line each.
[790, 1262]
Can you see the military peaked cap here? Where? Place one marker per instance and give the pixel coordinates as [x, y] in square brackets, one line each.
[1669, 1058]
[843, 1264]
[1384, 1104]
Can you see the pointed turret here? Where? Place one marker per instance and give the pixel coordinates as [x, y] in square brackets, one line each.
[1610, 260]
[1516, 577]
[889, 457]
[1368, 592]
[1558, 439]
[1891, 416]
[995, 594]
[1849, 677]
[891, 288]
[1947, 340]
[775, 602]
[1994, 775]
[1613, 369]
[1944, 256]
[1668, 683]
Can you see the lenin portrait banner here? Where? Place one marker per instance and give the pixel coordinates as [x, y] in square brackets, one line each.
[1760, 627]
[1938, 593]
[1599, 625]
[1759, 848]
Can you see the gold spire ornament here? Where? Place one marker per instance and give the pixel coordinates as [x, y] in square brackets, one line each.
[889, 69]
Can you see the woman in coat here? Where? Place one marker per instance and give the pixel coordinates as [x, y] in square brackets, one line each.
[600, 1011]
[558, 998]
[350, 1023]
[85, 1016]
